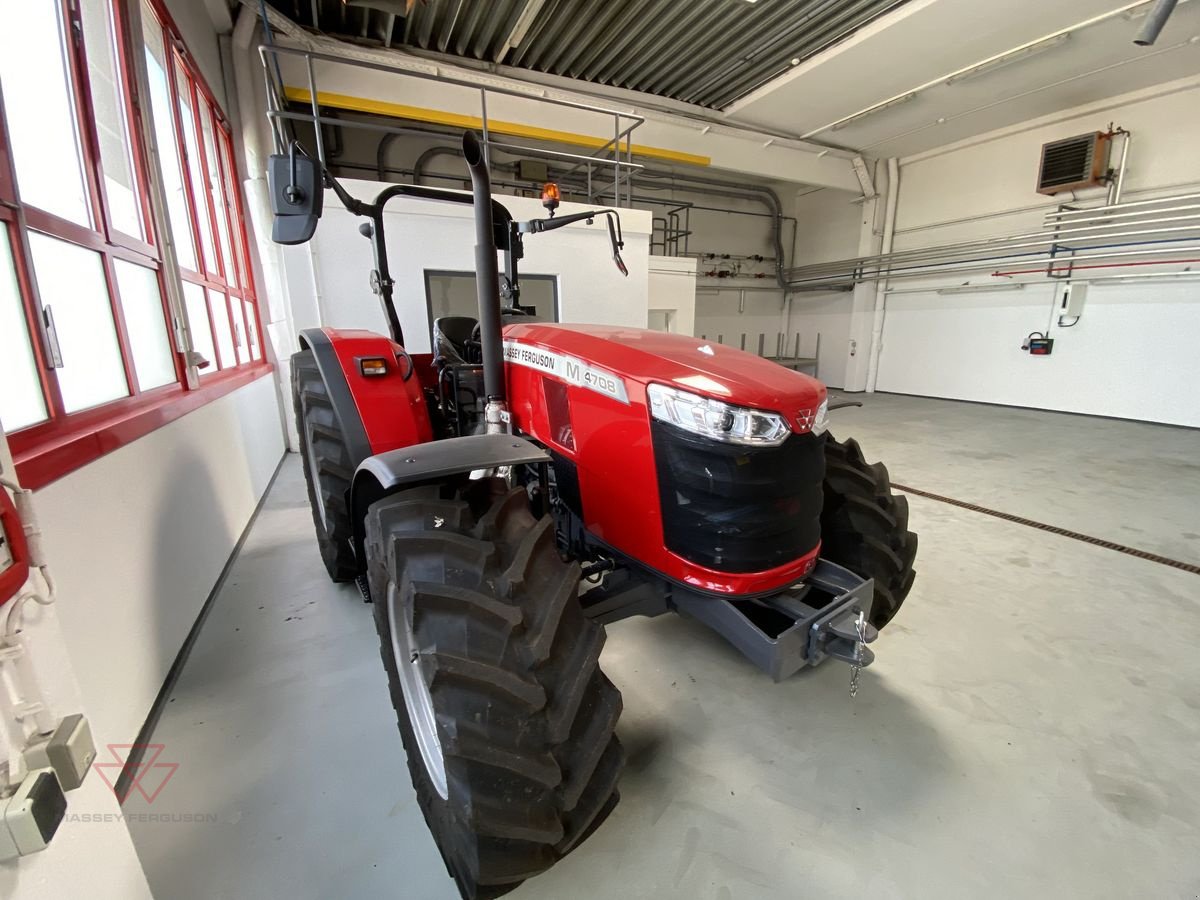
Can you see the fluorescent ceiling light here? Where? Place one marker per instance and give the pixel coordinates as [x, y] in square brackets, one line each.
[1007, 59]
[520, 28]
[895, 101]
[980, 288]
[1117, 279]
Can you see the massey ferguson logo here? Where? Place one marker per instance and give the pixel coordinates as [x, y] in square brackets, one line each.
[568, 368]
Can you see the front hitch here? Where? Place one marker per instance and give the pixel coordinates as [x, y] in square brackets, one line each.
[823, 617]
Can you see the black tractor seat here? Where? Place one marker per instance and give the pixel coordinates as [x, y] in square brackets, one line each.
[452, 341]
[455, 341]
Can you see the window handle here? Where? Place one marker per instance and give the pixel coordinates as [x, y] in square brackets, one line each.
[52, 345]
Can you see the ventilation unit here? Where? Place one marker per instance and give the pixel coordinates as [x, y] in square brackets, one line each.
[1074, 163]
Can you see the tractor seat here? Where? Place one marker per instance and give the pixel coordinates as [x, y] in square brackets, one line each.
[452, 340]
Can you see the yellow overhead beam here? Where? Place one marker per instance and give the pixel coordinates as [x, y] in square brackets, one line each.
[495, 126]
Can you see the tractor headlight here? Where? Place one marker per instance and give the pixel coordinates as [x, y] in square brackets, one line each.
[820, 423]
[714, 419]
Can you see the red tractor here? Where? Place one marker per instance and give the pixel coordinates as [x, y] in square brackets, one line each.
[501, 499]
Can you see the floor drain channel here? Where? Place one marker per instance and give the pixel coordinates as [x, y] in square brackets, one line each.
[1054, 529]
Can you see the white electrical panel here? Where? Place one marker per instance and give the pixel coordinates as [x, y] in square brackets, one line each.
[1071, 297]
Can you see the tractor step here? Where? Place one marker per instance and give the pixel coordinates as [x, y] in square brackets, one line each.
[821, 618]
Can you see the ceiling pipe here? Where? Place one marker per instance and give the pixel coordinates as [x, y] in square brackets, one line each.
[717, 188]
[1154, 23]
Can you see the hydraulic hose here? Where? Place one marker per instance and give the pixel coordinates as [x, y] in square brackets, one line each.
[487, 273]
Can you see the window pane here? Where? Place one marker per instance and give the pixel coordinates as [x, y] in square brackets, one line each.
[21, 401]
[168, 147]
[197, 314]
[145, 324]
[240, 339]
[41, 113]
[192, 152]
[108, 104]
[239, 252]
[213, 185]
[71, 281]
[252, 327]
[220, 314]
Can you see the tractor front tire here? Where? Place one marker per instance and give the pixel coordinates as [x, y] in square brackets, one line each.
[864, 526]
[494, 674]
[328, 466]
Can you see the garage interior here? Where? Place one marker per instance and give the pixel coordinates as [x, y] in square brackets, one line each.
[978, 225]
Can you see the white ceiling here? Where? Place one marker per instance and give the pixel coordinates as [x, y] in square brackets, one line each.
[928, 40]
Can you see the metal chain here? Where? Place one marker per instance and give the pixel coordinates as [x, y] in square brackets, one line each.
[860, 625]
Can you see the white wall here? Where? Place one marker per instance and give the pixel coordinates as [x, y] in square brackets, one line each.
[672, 291]
[1132, 355]
[85, 858]
[200, 35]
[139, 537]
[829, 224]
[430, 235]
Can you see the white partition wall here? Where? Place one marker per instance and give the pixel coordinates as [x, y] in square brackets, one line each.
[328, 278]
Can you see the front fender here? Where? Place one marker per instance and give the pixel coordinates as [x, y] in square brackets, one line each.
[432, 462]
[377, 413]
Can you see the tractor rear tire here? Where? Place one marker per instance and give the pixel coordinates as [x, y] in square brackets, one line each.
[494, 674]
[328, 467]
[864, 526]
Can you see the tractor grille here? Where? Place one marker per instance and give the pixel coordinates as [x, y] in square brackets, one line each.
[738, 509]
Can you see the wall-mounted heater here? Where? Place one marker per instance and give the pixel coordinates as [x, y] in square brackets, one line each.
[1074, 163]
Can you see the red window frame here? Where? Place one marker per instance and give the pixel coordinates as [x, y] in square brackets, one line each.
[65, 441]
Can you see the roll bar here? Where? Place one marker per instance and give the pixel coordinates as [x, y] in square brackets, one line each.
[296, 201]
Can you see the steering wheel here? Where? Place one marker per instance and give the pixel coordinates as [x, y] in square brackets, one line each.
[473, 346]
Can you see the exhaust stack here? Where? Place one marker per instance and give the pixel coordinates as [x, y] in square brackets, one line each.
[487, 282]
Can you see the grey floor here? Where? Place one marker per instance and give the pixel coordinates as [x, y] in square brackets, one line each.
[1031, 727]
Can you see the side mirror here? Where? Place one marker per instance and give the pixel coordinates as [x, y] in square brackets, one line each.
[297, 197]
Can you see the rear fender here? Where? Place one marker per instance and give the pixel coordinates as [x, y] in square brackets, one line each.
[433, 462]
[377, 413]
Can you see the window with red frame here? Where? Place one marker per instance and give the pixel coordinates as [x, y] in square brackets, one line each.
[85, 330]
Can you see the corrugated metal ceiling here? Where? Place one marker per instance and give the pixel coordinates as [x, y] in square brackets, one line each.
[707, 52]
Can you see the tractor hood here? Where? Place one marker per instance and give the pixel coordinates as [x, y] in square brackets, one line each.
[688, 363]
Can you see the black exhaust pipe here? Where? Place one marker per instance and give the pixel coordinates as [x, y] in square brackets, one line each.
[487, 273]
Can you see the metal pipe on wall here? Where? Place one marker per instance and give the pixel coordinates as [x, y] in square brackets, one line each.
[889, 235]
[1047, 237]
[1118, 183]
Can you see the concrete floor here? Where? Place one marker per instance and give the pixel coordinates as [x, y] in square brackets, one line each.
[1030, 728]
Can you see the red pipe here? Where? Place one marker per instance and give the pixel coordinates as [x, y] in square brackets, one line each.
[1152, 262]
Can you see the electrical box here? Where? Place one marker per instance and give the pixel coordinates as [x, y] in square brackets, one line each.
[1071, 297]
[68, 750]
[1041, 346]
[31, 816]
[532, 170]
